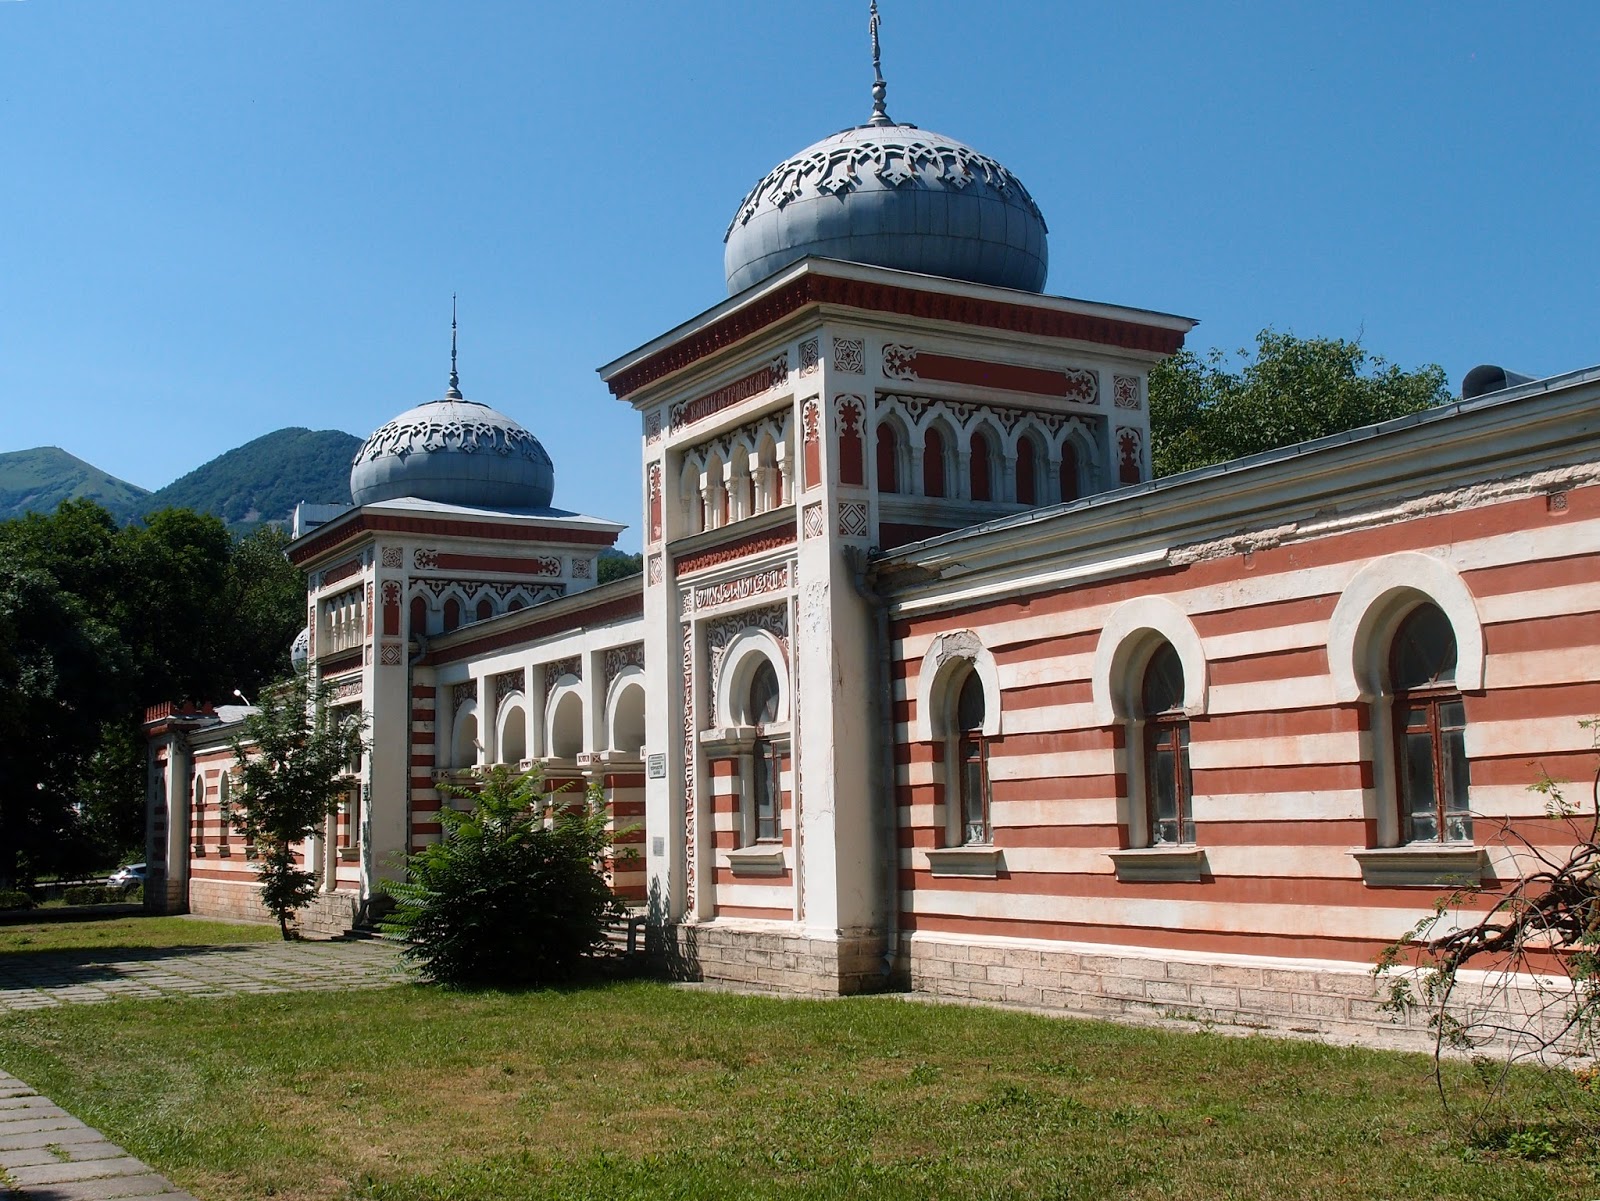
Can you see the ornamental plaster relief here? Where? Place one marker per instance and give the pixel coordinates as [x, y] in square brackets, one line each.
[741, 588]
[764, 379]
[1077, 385]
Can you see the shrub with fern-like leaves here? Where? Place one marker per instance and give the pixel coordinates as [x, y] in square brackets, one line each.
[512, 895]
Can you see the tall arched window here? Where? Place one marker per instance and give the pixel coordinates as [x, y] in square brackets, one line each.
[224, 809]
[888, 454]
[982, 488]
[766, 794]
[1167, 786]
[1027, 470]
[972, 762]
[1429, 729]
[199, 816]
[485, 609]
[452, 614]
[1069, 471]
[419, 617]
[933, 473]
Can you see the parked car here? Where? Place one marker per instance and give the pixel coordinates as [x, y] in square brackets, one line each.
[126, 877]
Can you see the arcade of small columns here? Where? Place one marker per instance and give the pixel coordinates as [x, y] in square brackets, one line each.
[922, 448]
[577, 713]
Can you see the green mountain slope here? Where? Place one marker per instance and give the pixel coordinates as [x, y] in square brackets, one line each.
[37, 480]
[264, 479]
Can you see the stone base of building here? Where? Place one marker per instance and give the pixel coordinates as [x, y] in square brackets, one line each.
[223, 898]
[1330, 1000]
[772, 958]
[330, 914]
[164, 895]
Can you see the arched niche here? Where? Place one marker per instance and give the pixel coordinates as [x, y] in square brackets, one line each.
[625, 712]
[945, 664]
[1129, 636]
[564, 719]
[512, 732]
[747, 650]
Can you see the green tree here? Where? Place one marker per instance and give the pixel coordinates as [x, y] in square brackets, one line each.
[1204, 410]
[184, 611]
[266, 605]
[54, 661]
[294, 756]
[512, 894]
[619, 566]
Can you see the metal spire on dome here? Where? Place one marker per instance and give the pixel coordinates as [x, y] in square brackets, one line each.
[880, 115]
[454, 392]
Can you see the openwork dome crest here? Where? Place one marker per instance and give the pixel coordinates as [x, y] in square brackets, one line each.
[421, 432]
[838, 167]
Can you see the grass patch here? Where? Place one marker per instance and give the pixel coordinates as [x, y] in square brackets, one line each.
[643, 1091]
[134, 933]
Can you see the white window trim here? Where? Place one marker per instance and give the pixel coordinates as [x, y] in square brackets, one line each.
[948, 658]
[1127, 639]
[1360, 634]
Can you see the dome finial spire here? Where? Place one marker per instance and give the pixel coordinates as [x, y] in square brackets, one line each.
[880, 115]
[454, 392]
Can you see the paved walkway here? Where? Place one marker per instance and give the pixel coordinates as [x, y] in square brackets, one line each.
[46, 1154]
[49, 978]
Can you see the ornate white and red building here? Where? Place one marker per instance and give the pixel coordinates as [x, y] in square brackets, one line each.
[926, 683]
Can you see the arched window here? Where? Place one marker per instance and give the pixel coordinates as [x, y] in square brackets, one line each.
[933, 473]
[766, 795]
[888, 451]
[1069, 471]
[1027, 470]
[972, 762]
[982, 488]
[419, 617]
[199, 815]
[485, 609]
[1167, 786]
[224, 809]
[1429, 729]
[452, 614]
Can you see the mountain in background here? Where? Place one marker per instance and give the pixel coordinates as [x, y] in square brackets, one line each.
[258, 482]
[264, 479]
[38, 480]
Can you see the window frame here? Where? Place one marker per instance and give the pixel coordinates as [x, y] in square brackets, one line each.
[1451, 791]
[971, 750]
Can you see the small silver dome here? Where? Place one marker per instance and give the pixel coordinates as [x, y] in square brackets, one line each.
[891, 196]
[455, 452]
[300, 649]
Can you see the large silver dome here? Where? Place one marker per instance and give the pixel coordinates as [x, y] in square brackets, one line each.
[455, 452]
[892, 196]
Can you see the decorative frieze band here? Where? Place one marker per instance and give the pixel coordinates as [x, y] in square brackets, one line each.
[1076, 384]
[757, 583]
[763, 379]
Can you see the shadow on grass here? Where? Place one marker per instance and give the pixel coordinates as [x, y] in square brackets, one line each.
[72, 913]
[53, 968]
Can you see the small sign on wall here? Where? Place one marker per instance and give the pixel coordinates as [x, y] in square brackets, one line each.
[655, 767]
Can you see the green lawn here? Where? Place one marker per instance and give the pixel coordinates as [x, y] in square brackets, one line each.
[645, 1091]
[103, 934]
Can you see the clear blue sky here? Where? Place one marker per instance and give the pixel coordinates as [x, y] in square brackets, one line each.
[218, 219]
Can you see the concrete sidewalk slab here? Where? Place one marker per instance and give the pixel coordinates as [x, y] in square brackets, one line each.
[48, 1155]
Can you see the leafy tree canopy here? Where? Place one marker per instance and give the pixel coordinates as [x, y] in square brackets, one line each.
[1288, 390]
[294, 756]
[615, 565]
[171, 609]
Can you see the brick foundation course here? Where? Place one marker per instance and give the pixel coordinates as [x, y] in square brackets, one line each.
[773, 960]
[1334, 1002]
